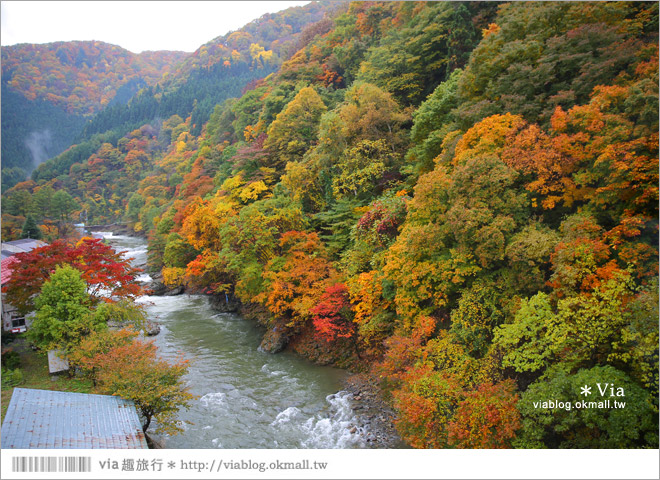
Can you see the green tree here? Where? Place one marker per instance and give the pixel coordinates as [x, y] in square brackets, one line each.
[295, 128]
[62, 311]
[17, 202]
[582, 330]
[635, 425]
[31, 229]
[336, 223]
[529, 67]
[589, 323]
[63, 204]
[411, 61]
[11, 176]
[361, 167]
[42, 201]
[122, 312]
[637, 348]
[432, 122]
[246, 111]
[178, 252]
[479, 311]
[135, 203]
[528, 253]
[526, 343]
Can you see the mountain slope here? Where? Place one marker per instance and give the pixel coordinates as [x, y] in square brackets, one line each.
[81, 77]
[49, 90]
[459, 198]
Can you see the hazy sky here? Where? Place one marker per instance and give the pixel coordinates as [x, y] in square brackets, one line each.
[133, 25]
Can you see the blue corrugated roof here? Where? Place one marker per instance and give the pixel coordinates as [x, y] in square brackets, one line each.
[48, 419]
[23, 245]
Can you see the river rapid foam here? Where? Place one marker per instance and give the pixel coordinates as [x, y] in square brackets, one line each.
[245, 398]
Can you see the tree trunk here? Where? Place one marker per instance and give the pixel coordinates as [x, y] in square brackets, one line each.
[147, 422]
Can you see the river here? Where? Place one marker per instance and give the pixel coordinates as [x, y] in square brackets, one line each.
[245, 398]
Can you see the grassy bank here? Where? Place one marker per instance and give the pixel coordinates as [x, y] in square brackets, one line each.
[34, 367]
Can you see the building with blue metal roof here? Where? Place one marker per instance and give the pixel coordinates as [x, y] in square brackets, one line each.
[20, 246]
[49, 419]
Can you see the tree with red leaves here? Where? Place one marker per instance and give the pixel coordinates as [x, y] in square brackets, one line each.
[330, 315]
[107, 274]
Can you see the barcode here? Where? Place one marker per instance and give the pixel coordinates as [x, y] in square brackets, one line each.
[51, 464]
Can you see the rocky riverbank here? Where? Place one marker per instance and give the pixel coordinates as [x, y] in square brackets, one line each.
[374, 416]
[158, 288]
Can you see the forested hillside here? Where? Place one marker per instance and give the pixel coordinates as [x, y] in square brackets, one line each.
[80, 77]
[458, 198]
[48, 91]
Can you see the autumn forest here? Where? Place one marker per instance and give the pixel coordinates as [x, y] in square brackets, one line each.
[458, 199]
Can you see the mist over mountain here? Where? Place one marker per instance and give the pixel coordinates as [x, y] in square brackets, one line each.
[51, 91]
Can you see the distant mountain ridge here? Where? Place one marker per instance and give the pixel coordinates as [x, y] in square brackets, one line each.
[217, 70]
[53, 93]
[81, 77]
[49, 90]
[276, 33]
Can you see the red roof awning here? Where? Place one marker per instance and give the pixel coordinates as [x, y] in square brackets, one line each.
[6, 268]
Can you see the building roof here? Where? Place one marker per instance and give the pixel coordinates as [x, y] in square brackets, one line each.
[6, 269]
[9, 249]
[49, 419]
[22, 245]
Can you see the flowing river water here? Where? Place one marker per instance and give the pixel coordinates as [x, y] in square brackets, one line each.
[245, 398]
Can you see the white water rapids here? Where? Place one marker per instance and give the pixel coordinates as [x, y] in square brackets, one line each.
[245, 398]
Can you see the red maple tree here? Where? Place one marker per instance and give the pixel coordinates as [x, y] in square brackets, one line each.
[105, 271]
[330, 314]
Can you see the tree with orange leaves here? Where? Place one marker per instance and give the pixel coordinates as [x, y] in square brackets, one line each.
[486, 417]
[297, 279]
[124, 366]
